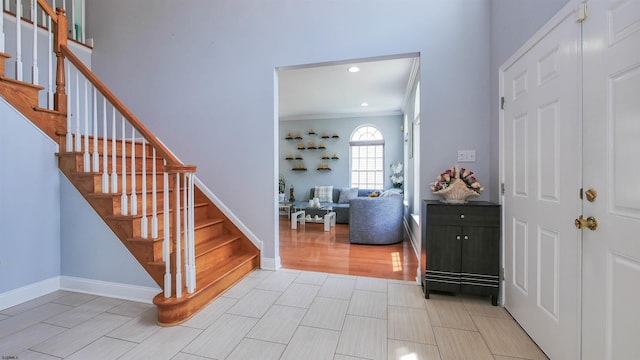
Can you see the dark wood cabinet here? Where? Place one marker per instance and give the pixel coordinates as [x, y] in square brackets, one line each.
[461, 248]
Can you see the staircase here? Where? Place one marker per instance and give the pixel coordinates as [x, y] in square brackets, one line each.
[186, 244]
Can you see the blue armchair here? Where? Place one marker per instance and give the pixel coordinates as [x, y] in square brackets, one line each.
[376, 221]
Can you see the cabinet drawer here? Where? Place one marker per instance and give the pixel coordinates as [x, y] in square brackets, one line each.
[463, 215]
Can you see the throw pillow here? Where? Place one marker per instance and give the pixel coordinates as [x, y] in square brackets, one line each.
[347, 194]
[324, 193]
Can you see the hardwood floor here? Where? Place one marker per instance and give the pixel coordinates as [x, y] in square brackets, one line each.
[312, 249]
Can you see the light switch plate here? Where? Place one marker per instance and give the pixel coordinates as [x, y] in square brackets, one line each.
[466, 155]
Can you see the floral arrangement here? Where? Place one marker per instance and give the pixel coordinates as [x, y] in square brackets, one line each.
[456, 184]
[396, 175]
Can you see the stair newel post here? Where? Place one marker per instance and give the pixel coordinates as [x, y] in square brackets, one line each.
[124, 199]
[86, 157]
[144, 227]
[60, 39]
[114, 172]
[105, 152]
[95, 156]
[154, 197]
[134, 195]
[18, 40]
[166, 242]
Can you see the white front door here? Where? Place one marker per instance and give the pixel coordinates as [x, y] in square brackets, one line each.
[541, 165]
[611, 151]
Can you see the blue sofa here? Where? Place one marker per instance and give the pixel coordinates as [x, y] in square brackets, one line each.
[376, 221]
[341, 209]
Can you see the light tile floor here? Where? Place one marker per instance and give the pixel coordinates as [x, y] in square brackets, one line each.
[272, 315]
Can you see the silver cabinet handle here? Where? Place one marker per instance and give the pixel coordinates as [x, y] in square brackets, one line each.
[461, 216]
[466, 237]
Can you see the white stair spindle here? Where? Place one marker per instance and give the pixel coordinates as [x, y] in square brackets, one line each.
[166, 256]
[154, 197]
[82, 21]
[74, 33]
[144, 225]
[69, 137]
[187, 247]
[192, 245]
[114, 140]
[95, 156]
[2, 6]
[134, 195]
[49, 64]
[18, 40]
[177, 231]
[86, 156]
[77, 115]
[124, 199]
[105, 153]
[34, 63]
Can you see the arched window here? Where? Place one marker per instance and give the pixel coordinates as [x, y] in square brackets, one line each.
[367, 158]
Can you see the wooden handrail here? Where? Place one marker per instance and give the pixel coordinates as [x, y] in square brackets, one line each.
[118, 105]
[43, 4]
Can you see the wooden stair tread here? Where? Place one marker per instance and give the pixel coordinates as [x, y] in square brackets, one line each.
[22, 83]
[214, 243]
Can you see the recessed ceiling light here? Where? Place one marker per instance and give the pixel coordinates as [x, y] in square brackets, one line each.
[353, 69]
[364, 104]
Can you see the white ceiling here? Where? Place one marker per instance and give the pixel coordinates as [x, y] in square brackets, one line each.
[329, 91]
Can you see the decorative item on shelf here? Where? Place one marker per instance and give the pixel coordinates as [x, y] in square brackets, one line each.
[298, 136]
[289, 136]
[292, 196]
[324, 166]
[298, 157]
[299, 167]
[335, 156]
[301, 146]
[456, 185]
[311, 145]
[396, 175]
[321, 146]
[325, 156]
[335, 135]
[281, 188]
[311, 132]
[325, 135]
[289, 157]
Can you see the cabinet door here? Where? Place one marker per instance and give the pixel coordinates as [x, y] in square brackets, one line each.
[443, 257]
[480, 265]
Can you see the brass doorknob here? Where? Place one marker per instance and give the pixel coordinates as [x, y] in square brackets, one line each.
[590, 223]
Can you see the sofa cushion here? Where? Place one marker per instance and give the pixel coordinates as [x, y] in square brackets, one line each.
[324, 193]
[347, 194]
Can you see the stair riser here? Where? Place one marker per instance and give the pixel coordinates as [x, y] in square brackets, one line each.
[131, 227]
[128, 147]
[214, 258]
[97, 183]
[79, 164]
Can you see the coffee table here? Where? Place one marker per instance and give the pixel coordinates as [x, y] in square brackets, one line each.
[299, 216]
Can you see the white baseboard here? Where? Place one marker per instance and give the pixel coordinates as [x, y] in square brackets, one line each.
[29, 292]
[137, 293]
[270, 263]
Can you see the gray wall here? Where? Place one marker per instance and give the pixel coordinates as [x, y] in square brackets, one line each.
[513, 22]
[302, 181]
[202, 77]
[29, 203]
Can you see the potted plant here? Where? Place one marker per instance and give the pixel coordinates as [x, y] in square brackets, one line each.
[281, 188]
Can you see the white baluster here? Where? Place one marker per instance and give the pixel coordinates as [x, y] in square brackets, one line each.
[69, 138]
[114, 140]
[105, 154]
[187, 247]
[134, 195]
[86, 157]
[18, 40]
[192, 245]
[95, 156]
[77, 115]
[82, 21]
[154, 197]
[74, 33]
[144, 225]
[49, 64]
[166, 255]
[124, 199]
[2, 6]
[177, 231]
[34, 64]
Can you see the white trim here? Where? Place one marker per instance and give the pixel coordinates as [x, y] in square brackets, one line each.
[23, 294]
[414, 245]
[270, 263]
[227, 212]
[143, 294]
